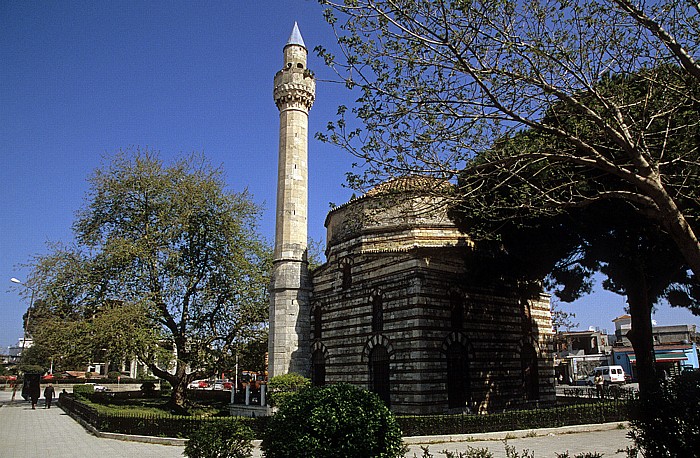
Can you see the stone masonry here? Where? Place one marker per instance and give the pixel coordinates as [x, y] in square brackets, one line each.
[294, 91]
[402, 248]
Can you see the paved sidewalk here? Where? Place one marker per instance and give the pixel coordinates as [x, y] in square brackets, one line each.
[41, 433]
[27, 433]
[547, 444]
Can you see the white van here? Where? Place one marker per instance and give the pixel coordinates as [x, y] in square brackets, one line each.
[611, 374]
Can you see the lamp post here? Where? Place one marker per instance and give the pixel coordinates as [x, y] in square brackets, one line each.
[29, 314]
[25, 324]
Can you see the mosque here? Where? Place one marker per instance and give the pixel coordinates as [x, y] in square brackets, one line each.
[393, 309]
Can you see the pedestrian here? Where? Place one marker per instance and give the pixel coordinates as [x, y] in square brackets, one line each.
[599, 382]
[48, 396]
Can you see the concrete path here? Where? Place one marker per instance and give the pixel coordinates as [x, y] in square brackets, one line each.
[607, 440]
[27, 433]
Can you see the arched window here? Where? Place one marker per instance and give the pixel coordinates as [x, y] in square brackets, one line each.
[318, 368]
[377, 313]
[317, 322]
[458, 385]
[379, 373]
[345, 269]
[531, 379]
[456, 311]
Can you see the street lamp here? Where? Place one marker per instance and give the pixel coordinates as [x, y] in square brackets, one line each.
[29, 314]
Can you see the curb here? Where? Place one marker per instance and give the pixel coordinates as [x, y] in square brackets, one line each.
[517, 434]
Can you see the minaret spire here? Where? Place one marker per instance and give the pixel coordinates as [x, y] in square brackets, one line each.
[295, 38]
[289, 337]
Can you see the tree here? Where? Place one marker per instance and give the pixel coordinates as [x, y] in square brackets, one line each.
[165, 260]
[561, 318]
[441, 82]
[608, 235]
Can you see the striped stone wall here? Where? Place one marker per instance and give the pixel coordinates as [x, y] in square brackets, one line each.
[416, 265]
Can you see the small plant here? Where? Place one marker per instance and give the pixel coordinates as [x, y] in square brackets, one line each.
[471, 452]
[113, 375]
[220, 439]
[531, 433]
[511, 453]
[581, 455]
[282, 387]
[335, 421]
[630, 452]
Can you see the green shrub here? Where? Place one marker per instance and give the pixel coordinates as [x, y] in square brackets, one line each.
[220, 439]
[148, 387]
[165, 385]
[81, 390]
[282, 387]
[335, 421]
[665, 423]
[113, 375]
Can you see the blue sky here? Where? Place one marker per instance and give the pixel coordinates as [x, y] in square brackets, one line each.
[81, 80]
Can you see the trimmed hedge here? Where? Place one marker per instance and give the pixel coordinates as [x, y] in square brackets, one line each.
[167, 425]
[161, 425]
[599, 412]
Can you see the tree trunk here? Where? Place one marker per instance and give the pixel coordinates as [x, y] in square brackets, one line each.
[642, 339]
[673, 219]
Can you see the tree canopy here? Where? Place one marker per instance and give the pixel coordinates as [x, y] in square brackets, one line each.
[167, 266]
[441, 83]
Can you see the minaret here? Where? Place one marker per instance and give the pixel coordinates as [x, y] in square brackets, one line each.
[289, 341]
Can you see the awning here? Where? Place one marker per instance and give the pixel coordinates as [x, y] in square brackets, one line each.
[663, 357]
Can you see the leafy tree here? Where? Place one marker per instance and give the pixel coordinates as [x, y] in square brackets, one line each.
[545, 109]
[561, 318]
[638, 260]
[601, 233]
[167, 265]
[441, 82]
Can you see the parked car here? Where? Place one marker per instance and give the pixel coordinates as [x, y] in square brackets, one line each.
[611, 375]
[97, 388]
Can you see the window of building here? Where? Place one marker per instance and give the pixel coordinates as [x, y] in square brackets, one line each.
[377, 313]
[458, 386]
[456, 311]
[317, 322]
[318, 369]
[346, 274]
[379, 373]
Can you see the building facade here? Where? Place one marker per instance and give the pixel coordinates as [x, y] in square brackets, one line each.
[393, 311]
[394, 308]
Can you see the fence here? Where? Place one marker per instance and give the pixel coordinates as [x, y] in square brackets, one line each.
[159, 425]
[581, 407]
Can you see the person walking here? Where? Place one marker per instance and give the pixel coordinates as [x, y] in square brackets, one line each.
[48, 396]
[599, 384]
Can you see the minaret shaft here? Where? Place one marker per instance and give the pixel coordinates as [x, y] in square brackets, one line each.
[289, 338]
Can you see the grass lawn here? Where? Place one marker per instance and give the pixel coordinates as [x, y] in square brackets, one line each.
[157, 405]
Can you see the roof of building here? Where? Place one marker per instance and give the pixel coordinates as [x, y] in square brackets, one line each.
[657, 348]
[621, 318]
[295, 38]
